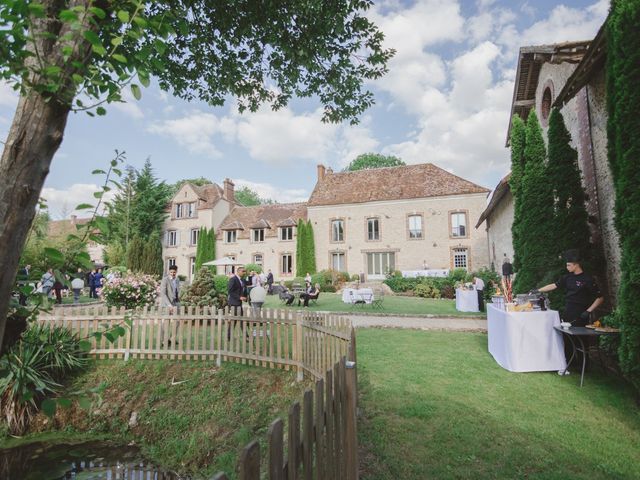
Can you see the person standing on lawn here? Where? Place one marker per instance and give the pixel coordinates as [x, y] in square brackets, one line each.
[582, 294]
[47, 280]
[478, 284]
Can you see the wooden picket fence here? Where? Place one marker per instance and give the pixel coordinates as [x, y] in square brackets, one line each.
[321, 441]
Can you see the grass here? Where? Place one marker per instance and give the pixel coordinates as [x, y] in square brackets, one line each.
[436, 405]
[332, 302]
[194, 417]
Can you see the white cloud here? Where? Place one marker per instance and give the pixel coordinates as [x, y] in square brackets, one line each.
[8, 96]
[279, 194]
[195, 131]
[62, 203]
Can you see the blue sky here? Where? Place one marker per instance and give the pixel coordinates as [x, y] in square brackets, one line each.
[445, 100]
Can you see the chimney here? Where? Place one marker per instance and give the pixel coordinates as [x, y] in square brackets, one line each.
[229, 194]
[321, 171]
[329, 170]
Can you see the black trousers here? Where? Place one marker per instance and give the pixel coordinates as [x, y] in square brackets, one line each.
[480, 300]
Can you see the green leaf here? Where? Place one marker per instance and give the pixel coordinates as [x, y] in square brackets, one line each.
[99, 49]
[54, 254]
[49, 407]
[84, 206]
[85, 345]
[92, 37]
[68, 16]
[64, 402]
[119, 58]
[110, 337]
[98, 194]
[120, 331]
[144, 78]
[115, 41]
[98, 171]
[98, 12]
[101, 111]
[123, 15]
[135, 89]
[141, 22]
[98, 336]
[84, 403]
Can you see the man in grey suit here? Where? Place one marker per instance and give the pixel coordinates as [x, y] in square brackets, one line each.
[170, 289]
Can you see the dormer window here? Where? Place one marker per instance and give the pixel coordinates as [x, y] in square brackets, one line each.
[179, 210]
[191, 209]
[258, 235]
[230, 236]
[286, 233]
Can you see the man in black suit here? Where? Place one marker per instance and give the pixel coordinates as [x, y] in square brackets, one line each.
[270, 282]
[236, 294]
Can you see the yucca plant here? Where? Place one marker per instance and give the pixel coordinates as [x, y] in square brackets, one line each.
[61, 349]
[24, 379]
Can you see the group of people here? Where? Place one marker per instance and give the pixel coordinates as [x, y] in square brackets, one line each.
[50, 283]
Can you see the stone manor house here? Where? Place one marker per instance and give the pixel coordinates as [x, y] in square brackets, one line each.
[369, 221]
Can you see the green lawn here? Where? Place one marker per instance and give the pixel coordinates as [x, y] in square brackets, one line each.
[436, 406]
[332, 302]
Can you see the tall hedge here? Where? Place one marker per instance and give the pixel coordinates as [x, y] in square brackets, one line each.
[517, 142]
[151, 262]
[623, 104]
[535, 214]
[571, 227]
[300, 242]
[135, 254]
[206, 249]
[311, 249]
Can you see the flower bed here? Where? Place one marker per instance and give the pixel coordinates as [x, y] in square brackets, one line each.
[131, 291]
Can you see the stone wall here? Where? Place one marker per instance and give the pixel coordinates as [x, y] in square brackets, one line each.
[435, 248]
[498, 229]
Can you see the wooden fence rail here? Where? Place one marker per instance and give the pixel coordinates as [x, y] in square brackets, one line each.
[321, 442]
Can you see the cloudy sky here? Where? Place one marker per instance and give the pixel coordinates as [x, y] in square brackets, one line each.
[445, 100]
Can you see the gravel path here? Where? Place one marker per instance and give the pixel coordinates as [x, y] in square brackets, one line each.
[422, 323]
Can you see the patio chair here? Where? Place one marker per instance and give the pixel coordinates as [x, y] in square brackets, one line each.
[378, 299]
[314, 300]
[356, 302]
[282, 296]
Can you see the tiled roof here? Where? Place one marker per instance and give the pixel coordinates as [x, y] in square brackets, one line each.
[59, 228]
[496, 196]
[209, 194]
[274, 214]
[391, 183]
[262, 223]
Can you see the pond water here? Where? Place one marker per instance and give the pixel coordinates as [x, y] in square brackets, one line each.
[86, 461]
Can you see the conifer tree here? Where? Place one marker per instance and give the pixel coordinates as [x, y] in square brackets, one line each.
[152, 256]
[205, 251]
[135, 253]
[623, 105]
[202, 292]
[517, 142]
[536, 213]
[300, 245]
[311, 248]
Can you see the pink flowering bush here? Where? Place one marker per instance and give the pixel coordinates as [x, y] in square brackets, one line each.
[131, 291]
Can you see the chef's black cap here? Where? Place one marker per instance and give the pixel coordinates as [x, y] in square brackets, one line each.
[572, 256]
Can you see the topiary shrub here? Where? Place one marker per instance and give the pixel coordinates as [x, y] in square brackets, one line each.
[202, 292]
[427, 290]
[459, 275]
[134, 290]
[221, 282]
[253, 267]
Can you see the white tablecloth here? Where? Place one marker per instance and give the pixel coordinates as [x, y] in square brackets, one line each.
[351, 295]
[525, 341]
[432, 272]
[466, 300]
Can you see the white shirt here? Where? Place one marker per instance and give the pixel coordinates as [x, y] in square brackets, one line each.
[479, 284]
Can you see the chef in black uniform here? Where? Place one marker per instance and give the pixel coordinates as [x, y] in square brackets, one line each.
[582, 293]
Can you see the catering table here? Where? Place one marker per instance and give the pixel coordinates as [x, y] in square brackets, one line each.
[466, 300]
[431, 272]
[578, 333]
[351, 295]
[525, 341]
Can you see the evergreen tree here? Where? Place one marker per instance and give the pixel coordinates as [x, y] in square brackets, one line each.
[300, 243]
[570, 226]
[202, 292]
[517, 141]
[623, 105]
[311, 248]
[152, 256]
[536, 213]
[119, 211]
[149, 202]
[205, 251]
[135, 254]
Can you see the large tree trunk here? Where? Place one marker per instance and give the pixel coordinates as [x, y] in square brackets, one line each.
[34, 138]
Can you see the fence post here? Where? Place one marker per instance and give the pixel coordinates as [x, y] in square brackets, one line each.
[219, 337]
[351, 434]
[127, 341]
[298, 350]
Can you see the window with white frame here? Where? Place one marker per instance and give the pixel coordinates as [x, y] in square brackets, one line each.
[460, 258]
[192, 266]
[258, 235]
[258, 258]
[338, 262]
[459, 224]
[230, 268]
[415, 226]
[191, 209]
[179, 210]
[286, 233]
[171, 261]
[286, 264]
[373, 229]
[172, 238]
[195, 234]
[337, 230]
[230, 236]
[380, 263]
